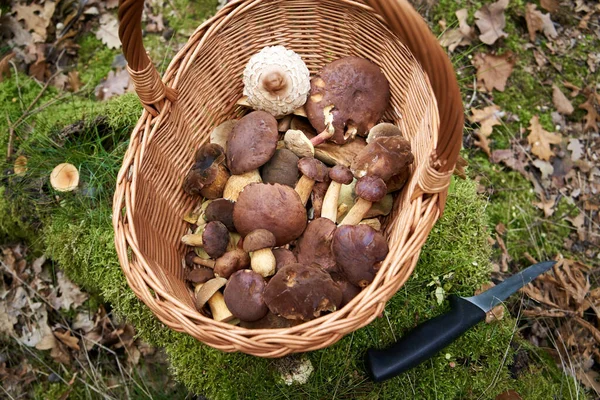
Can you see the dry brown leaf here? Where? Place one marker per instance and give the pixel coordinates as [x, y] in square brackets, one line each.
[593, 61]
[575, 89]
[576, 149]
[592, 118]
[493, 71]
[540, 139]
[39, 69]
[116, 83]
[491, 21]
[70, 295]
[60, 81]
[562, 104]
[67, 339]
[463, 36]
[35, 17]
[48, 342]
[109, 31]
[507, 157]
[538, 22]
[545, 168]
[74, 81]
[590, 379]
[5, 66]
[537, 295]
[487, 119]
[550, 5]
[20, 36]
[60, 354]
[110, 4]
[547, 205]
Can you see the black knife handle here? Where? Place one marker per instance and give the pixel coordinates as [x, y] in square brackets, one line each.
[426, 340]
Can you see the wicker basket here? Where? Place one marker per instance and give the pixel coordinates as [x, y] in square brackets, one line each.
[200, 89]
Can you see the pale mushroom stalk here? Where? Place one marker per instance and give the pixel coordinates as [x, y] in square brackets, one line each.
[259, 243]
[369, 190]
[357, 212]
[209, 293]
[192, 239]
[312, 170]
[304, 188]
[205, 263]
[340, 175]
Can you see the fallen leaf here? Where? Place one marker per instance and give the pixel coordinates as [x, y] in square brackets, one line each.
[60, 81]
[60, 354]
[562, 104]
[593, 60]
[491, 21]
[545, 168]
[507, 157]
[70, 295]
[576, 149]
[540, 57]
[540, 139]
[67, 339]
[83, 322]
[592, 118]
[590, 379]
[575, 89]
[550, 5]
[110, 4]
[48, 342]
[463, 36]
[74, 81]
[487, 119]
[493, 71]
[538, 22]
[39, 69]
[35, 17]
[11, 27]
[5, 66]
[109, 31]
[547, 205]
[116, 83]
[578, 223]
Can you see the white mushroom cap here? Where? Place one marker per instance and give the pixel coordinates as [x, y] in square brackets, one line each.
[64, 177]
[276, 80]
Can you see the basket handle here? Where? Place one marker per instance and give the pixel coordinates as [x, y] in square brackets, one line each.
[410, 27]
[148, 85]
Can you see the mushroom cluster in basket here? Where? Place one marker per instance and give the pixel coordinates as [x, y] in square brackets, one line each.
[287, 225]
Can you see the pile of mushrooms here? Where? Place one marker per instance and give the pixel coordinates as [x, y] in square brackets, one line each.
[287, 224]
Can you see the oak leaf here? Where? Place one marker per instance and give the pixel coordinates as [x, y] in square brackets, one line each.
[35, 17]
[493, 71]
[540, 139]
[109, 31]
[592, 118]
[487, 119]
[463, 36]
[538, 22]
[550, 5]
[116, 83]
[491, 21]
[562, 104]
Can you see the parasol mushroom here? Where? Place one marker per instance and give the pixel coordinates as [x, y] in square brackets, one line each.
[208, 175]
[369, 190]
[259, 243]
[312, 170]
[244, 296]
[340, 175]
[64, 177]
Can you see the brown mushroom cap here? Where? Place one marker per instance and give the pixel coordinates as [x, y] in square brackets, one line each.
[270, 321]
[318, 195]
[313, 169]
[314, 246]
[341, 174]
[283, 257]
[258, 239]
[383, 129]
[231, 262]
[274, 207]
[215, 239]
[244, 295]
[397, 182]
[205, 169]
[302, 292]
[349, 291]
[357, 249]
[370, 188]
[252, 142]
[359, 92]
[282, 168]
[220, 210]
[384, 157]
[199, 275]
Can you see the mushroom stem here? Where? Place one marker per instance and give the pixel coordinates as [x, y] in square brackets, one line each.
[330, 201]
[342, 209]
[205, 263]
[357, 212]
[329, 129]
[219, 309]
[284, 123]
[193, 239]
[237, 183]
[304, 188]
[263, 262]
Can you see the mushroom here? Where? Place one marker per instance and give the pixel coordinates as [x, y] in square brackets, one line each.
[369, 190]
[302, 292]
[349, 291]
[192, 259]
[64, 177]
[209, 293]
[281, 168]
[314, 246]
[340, 175]
[347, 98]
[372, 222]
[312, 170]
[208, 175]
[274, 207]
[252, 142]
[382, 207]
[276, 80]
[382, 130]
[214, 239]
[220, 135]
[270, 321]
[284, 123]
[220, 210]
[259, 243]
[357, 250]
[297, 142]
[237, 183]
[384, 158]
[283, 257]
[199, 275]
[231, 262]
[20, 167]
[318, 195]
[244, 295]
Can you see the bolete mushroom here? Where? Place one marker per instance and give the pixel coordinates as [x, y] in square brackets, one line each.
[297, 142]
[214, 239]
[220, 210]
[252, 142]
[209, 293]
[281, 168]
[237, 183]
[199, 275]
[64, 177]
[317, 196]
[283, 257]
[276, 80]
[340, 175]
[244, 295]
[192, 259]
[312, 170]
[231, 262]
[384, 157]
[259, 243]
[314, 246]
[369, 189]
[385, 129]
[357, 250]
[274, 207]
[349, 291]
[208, 175]
[302, 292]
[270, 321]
[220, 134]
[347, 98]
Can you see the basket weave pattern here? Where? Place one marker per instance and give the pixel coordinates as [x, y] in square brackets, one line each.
[199, 91]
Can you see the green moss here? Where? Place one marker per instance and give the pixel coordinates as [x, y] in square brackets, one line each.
[95, 60]
[186, 16]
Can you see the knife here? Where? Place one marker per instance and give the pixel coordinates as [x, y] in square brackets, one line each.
[428, 338]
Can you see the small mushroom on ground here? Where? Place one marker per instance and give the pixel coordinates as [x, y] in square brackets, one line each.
[302, 292]
[314, 246]
[281, 168]
[64, 177]
[274, 207]
[237, 183]
[220, 210]
[276, 80]
[252, 142]
[384, 157]
[192, 259]
[244, 295]
[208, 175]
[349, 291]
[283, 257]
[347, 98]
[259, 243]
[358, 249]
[220, 135]
[231, 262]
[214, 239]
[340, 175]
[297, 142]
[312, 170]
[369, 190]
[382, 130]
[317, 196]
[209, 293]
[20, 167]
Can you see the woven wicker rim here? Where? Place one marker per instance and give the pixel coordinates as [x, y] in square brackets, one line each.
[421, 203]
